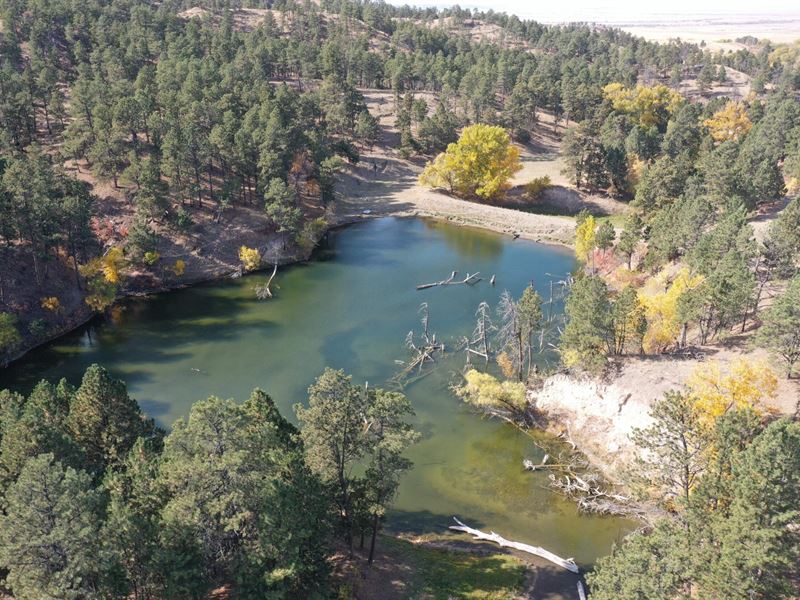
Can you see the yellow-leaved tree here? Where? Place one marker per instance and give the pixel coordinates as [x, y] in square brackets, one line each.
[250, 258]
[179, 268]
[729, 123]
[745, 384]
[51, 303]
[485, 391]
[650, 105]
[585, 238]
[659, 297]
[103, 277]
[112, 262]
[480, 163]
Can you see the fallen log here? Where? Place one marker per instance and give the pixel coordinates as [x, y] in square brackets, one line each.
[425, 286]
[566, 563]
[581, 591]
[468, 280]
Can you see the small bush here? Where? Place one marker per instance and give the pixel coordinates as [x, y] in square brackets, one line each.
[312, 232]
[182, 220]
[536, 187]
[179, 267]
[51, 303]
[38, 328]
[151, 258]
[250, 257]
[9, 334]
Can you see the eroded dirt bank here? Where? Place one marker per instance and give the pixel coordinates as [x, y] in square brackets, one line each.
[598, 415]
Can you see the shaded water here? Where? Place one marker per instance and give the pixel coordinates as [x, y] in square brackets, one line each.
[351, 308]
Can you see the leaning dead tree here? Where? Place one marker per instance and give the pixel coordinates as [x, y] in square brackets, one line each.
[567, 563]
[424, 349]
[479, 344]
[264, 292]
[468, 280]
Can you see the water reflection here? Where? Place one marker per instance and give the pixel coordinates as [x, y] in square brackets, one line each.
[468, 241]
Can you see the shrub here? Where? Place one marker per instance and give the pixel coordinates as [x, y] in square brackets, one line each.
[250, 257]
[51, 303]
[312, 231]
[536, 187]
[9, 335]
[182, 220]
[179, 267]
[38, 328]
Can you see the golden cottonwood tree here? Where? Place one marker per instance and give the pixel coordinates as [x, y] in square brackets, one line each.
[585, 238]
[481, 162]
[250, 258]
[659, 297]
[650, 105]
[745, 385]
[485, 391]
[729, 123]
[103, 277]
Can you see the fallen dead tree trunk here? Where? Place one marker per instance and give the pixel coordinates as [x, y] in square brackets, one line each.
[566, 563]
[468, 280]
[581, 591]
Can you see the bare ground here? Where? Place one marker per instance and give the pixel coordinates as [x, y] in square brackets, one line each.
[397, 573]
[385, 184]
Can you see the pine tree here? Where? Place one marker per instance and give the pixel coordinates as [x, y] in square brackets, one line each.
[332, 432]
[104, 420]
[780, 329]
[49, 534]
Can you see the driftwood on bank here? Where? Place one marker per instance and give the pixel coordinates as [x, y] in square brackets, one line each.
[566, 563]
[468, 280]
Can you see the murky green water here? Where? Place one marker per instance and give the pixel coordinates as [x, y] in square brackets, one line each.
[351, 308]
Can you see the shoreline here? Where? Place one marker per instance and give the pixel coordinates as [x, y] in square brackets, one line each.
[292, 257]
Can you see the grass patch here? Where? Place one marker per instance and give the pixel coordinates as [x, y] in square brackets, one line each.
[451, 574]
[617, 220]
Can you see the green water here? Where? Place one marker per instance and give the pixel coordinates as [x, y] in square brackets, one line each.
[351, 308]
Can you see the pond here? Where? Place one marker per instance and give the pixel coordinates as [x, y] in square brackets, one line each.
[351, 308]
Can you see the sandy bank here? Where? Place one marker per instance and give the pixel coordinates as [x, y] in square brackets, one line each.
[599, 416]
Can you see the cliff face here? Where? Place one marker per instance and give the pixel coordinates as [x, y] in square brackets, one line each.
[599, 416]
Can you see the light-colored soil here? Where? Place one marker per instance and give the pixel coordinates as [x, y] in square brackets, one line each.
[385, 184]
[599, 416]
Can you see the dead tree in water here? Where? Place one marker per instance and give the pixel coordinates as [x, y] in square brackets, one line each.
[479, 344]
[571, 475]
[468, 280]
[424, 349]
[262, 291]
